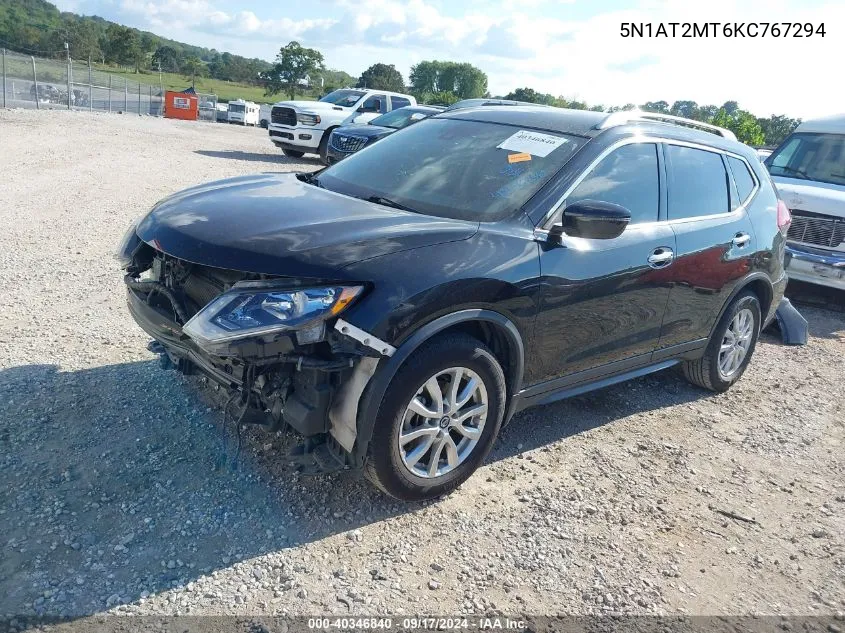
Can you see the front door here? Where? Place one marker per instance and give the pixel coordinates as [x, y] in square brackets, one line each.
[603, 301]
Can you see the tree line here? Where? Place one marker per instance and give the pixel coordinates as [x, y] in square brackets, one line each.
[445, 82]
[38, 27]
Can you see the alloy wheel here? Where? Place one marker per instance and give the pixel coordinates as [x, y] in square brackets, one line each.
[443, 422]
[736, 343]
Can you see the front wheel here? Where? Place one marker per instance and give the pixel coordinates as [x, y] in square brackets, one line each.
[438, 420]
[292, 153]
[323, 150]
[730, 347]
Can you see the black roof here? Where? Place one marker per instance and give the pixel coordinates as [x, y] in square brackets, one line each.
[586, 122]
[561, 120]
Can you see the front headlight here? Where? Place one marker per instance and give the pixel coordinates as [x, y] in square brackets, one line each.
[247, 310]
[308, 119]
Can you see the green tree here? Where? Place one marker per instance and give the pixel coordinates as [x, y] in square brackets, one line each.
[294, 65]
[686, 109]
[463, 80]
[170, 59]
[121, 44]
[661, 107]
[525, 94]
[193, 68]
[382, 77]
[424, 76]
[741, 123]
[777, 127]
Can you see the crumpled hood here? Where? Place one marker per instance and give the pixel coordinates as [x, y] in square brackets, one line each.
[816, 197]
[276, 224]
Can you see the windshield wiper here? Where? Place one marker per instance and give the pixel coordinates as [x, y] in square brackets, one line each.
[310, 178]
[794, 170]
[387, 202]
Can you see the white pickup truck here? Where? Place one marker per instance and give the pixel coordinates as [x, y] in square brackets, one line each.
[300, 127]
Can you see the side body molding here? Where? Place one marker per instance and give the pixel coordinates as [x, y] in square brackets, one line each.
[388, 366]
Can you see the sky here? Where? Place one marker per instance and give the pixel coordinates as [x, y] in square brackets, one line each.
[569, 48]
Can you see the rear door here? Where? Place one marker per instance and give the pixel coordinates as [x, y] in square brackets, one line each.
[715, 240]
[602, 301]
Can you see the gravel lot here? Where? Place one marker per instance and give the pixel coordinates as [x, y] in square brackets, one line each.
[111, 499]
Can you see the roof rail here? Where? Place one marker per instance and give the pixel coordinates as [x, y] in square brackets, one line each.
[626, 116]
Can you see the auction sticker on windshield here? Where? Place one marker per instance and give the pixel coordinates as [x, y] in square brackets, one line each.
[533, 143]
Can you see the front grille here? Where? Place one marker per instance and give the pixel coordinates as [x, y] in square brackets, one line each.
[816, 229]
[345, 143]
[286, 135]
[283, 115]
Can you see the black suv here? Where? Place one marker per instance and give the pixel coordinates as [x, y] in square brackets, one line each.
[397, 308]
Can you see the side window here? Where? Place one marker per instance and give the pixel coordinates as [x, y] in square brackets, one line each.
[628, 177]
[375, 103]
[698, 182]
[744, 180]
[399, 102]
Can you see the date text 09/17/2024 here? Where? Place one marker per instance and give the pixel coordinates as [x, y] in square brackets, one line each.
[721, 29]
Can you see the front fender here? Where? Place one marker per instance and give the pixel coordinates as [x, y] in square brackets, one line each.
[388, 366]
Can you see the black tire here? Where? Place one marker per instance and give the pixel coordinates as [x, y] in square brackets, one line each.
[384, 466]
[704, 371]
[292, 153]
[323, 150]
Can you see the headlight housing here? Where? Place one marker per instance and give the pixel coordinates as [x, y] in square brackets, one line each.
[308, 119]
[252, 309]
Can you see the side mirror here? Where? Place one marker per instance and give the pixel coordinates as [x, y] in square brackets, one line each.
[592, 219]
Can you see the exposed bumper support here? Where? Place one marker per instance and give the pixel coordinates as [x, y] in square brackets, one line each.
[815, 266]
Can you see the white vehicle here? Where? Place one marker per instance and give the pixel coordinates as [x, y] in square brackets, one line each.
[809, 171]
[243, 112]
[300, 127]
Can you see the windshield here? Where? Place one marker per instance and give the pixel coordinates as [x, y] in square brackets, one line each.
[465, 170]
[810, 156]
[343, 98]
[236, 107]
[399, 118]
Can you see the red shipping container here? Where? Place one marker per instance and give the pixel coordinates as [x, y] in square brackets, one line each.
[180, 105]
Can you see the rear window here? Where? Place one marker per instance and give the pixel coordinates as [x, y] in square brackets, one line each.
[810, 156]
[698, 182]
[466, 170]
[742, 178]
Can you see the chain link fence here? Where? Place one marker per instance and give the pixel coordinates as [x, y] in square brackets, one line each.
[35, 82]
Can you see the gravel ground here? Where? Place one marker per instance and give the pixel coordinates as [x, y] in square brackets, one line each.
[111, 501]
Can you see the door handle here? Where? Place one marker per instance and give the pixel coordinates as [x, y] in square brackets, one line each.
[661, 257]
[741, 239]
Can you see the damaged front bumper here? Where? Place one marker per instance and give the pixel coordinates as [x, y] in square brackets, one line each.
[314, 391]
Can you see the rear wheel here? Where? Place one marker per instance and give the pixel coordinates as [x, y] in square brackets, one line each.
[730, 348]
[438, 420]
[292, 153]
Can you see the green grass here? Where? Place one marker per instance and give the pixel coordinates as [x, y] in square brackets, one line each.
[55, 71]
[225, 91]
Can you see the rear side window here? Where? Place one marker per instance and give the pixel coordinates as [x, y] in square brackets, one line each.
[399, 102]
[628, 177]
[742, 178]
[375, 103]
[698, 183]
